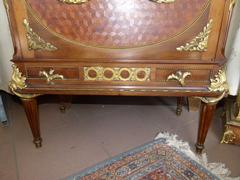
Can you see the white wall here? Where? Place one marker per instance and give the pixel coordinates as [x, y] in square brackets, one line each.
[6, 49]
[232, 51]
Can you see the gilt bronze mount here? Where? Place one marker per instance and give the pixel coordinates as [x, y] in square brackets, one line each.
[218, 84]
[200, 42]
[18, 82]
[35, 42]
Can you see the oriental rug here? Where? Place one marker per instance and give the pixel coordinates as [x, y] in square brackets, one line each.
[165, 158]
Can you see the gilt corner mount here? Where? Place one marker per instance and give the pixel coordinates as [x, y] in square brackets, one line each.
[18, 82]
[228, 137]
[200, 42]
[218, 84]
[35, 42]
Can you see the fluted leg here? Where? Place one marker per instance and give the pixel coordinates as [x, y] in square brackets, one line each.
[206, 117]
[31, 109]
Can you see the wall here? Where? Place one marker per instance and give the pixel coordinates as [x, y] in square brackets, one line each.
[233, 52]
[6, 49]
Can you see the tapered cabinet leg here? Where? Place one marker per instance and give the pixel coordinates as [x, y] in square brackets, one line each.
[65, 102]
[206, 117]
[180, 101]
[31, 109]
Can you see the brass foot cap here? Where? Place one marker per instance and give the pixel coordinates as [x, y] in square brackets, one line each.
[199, 148]
[62, 109]
[178, 112]
[38, 143]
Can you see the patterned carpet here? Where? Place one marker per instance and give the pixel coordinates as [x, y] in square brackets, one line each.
[164, 158]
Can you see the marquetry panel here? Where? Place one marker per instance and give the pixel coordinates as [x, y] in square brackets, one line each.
[117, 24]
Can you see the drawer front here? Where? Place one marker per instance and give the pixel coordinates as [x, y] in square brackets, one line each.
[124, 75]
[183, 77]
[118, 24]
[68, 73]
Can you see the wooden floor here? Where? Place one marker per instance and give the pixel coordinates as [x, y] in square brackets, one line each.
[97, 129]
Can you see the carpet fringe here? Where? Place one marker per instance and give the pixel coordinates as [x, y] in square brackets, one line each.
[218, 169]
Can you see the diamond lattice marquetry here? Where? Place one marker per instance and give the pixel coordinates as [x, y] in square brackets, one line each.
[114, 23]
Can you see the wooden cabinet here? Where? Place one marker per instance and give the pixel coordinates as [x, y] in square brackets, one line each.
[112, 47]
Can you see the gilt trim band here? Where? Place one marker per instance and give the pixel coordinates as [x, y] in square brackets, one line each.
[116, 74]
[84, 1]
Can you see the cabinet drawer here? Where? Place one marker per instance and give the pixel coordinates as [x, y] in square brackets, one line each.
[119, 75]
[69, 73]
[195, 75]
